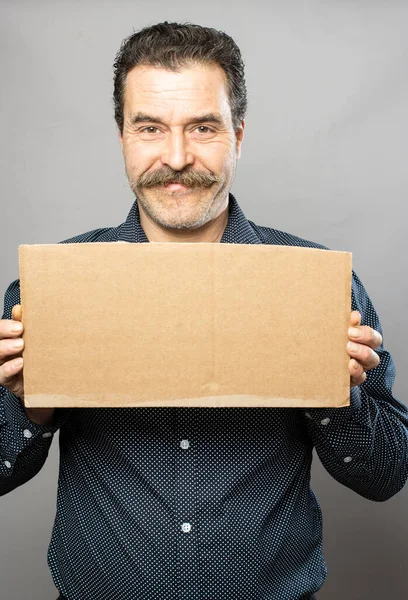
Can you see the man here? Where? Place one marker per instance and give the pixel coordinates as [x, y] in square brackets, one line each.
[177, 503]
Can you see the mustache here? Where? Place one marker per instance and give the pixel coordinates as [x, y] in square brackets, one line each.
[165, 175]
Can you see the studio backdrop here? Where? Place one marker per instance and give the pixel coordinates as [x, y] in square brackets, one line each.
[324, 158]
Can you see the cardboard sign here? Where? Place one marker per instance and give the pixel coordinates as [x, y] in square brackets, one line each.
[185, 324]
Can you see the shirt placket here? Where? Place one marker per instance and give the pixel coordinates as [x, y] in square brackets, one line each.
[186, 503]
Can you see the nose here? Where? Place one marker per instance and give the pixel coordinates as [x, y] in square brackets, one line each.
[177, 154]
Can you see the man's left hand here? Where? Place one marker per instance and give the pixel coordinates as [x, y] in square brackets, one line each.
[363, 341]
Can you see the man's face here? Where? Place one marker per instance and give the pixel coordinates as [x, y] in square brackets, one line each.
[178, 128]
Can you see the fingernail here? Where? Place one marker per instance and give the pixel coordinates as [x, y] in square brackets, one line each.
[18, 362]
[354, 332]
[353, 347]
[16, 327]
[18, 344]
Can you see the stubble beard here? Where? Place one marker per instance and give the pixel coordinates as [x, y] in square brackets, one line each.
[206, 196]
[178, 210]
[182, 210]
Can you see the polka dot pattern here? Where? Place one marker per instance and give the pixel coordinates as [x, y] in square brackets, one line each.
[203, 504]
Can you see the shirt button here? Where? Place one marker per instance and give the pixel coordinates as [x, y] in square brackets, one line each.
[325, 421]
[185, 444]
[47, 434]
[348, 459]
[27, 433]
[8, 464]
[186, 527]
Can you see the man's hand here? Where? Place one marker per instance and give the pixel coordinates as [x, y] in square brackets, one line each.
[11, 364]
[363, 341]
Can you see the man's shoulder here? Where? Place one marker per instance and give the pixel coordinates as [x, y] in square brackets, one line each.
[267, 235]
[105, 234]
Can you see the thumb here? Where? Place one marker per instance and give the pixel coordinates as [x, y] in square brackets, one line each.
[17, 312]
[355, 318]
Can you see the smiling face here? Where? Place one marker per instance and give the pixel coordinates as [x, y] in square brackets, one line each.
[179, 144]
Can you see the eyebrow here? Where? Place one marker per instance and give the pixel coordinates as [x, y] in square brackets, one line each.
[208, 118]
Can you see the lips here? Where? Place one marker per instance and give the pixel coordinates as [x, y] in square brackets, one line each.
[176, 186]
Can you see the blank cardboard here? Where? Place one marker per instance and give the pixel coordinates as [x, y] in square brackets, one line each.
[185, 324]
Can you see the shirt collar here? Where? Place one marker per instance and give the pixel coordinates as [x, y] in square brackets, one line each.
[237, 231]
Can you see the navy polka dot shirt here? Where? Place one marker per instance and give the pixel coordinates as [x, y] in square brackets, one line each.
[197, 503]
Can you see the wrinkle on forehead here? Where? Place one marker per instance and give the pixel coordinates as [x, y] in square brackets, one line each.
[201, 88]
[193, 76]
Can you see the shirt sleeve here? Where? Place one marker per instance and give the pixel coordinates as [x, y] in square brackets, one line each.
[364, 446]
[24, 445]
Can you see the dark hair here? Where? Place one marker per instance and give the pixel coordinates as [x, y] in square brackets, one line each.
[174, 45]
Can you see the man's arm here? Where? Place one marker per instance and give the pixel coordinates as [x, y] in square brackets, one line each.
[24, 445]
[364, 446]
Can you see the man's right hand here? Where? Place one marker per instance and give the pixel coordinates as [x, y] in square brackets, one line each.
[11, 365]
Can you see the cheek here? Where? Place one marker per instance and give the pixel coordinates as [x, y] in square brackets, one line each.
[218, 157]
[137, 159]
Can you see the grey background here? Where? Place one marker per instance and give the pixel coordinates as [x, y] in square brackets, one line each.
[323, 158]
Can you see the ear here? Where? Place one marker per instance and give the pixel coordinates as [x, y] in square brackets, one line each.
[239, 134]
[120, 137]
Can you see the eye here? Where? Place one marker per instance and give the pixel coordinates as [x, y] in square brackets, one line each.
[204, 129]
[149, 129]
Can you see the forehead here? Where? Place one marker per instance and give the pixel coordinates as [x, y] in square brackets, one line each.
[197, 88]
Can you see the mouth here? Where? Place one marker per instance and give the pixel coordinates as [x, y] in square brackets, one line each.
[176, 186]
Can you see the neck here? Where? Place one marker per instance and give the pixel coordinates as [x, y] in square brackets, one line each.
[210, 232]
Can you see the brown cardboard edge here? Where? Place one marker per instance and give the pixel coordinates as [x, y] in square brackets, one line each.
[237, 401]
[21, 273]
[22, 286]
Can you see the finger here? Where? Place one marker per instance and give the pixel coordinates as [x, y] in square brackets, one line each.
[355, 319]
[10, 369]
[358, 380]
[10, 328]
[365, 335]
[364, 355]
[17, 312]
[10, 348]
[355, 369]
[357, 373]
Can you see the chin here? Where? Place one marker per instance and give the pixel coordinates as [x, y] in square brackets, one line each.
[182, 224]
[178, 211]
[175, 219]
